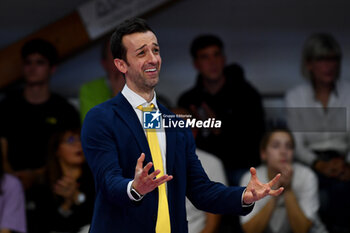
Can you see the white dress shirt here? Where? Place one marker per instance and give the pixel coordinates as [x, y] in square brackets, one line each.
[136, 100]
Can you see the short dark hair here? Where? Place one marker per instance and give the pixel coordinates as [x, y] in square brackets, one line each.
[127, 27]
[42, 47]
[204, 41]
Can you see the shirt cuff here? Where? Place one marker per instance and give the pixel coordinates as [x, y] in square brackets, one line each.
[245, 205]
[128, 189]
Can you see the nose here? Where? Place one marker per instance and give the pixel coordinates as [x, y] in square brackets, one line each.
[152, 58]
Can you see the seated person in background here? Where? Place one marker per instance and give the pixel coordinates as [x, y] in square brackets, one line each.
[198, 220]
[296, 209]
[318, 115]
[30, 116]
[223, 93]
[66, 198]
[102, 89]
[12, 203]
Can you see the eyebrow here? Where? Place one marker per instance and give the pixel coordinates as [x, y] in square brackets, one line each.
[145, 45]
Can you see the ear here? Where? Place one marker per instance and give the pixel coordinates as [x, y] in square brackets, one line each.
[121, 65]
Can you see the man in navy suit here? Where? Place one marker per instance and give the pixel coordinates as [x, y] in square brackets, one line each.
[114, 142]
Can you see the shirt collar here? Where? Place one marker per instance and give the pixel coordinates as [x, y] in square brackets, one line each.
[334, 92]
[136, 100]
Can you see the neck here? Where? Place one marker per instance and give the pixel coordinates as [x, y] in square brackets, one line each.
[214, 86]
[37, 93]
[117, 83]
[73, 171]
[146, 93]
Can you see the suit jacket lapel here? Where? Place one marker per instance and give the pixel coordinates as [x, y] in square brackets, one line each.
[125, 111]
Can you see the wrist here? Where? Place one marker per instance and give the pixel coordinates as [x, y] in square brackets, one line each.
[137, 196]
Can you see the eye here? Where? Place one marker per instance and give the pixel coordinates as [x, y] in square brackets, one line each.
[156, 50]
[141, 53]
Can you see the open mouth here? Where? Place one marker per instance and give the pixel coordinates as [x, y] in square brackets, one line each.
[151, 70]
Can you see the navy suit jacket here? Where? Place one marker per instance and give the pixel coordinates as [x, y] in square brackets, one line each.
[113, 139]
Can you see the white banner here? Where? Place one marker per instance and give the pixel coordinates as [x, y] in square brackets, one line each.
[102, 16]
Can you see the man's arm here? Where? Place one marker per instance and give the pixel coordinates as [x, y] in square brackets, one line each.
[100, 149]
[102, 156]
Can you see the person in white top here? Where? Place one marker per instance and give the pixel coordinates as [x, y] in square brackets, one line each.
[318, 114]
[296, 209]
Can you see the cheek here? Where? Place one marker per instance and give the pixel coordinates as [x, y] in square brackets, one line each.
[64, 153]
[272, 157]
[290, 155]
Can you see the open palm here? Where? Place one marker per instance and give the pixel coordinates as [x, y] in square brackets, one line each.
[256, 190]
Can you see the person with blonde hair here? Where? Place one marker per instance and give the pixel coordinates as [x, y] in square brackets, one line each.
[318, 114]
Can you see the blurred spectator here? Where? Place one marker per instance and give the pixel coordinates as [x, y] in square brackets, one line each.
[12, 203]
[71, 182]
[318, 114]
[30, 116]
[296, 209]
[104, 88]
[65, 199]
[223, 93]
[200, 221]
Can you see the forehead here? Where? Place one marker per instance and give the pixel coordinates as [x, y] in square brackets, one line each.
[136, 40]
[280, 136]
[208, 50]
[35, 56]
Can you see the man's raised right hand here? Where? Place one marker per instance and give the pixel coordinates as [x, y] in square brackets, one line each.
[144, 182]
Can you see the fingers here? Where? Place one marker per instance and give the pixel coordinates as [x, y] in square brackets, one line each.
[274, 180]
[253, 172]
[154, 174]
[277, 192]
[140, 160]
[146, 169]
[161, 180]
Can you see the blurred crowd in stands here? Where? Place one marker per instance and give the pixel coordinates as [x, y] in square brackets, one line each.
[46, 185]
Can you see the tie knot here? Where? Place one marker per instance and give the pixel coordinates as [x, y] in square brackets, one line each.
[146, 109]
